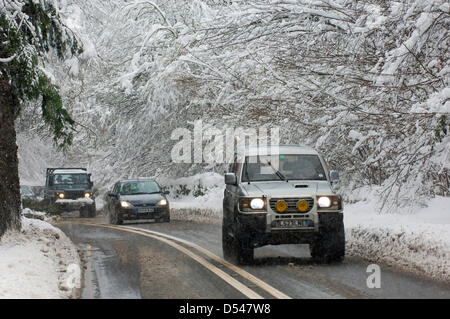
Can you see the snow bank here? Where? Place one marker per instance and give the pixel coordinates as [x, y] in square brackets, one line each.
[417, 242]
[196, 198]
[199, 185]
[211, 200]
[38, 262]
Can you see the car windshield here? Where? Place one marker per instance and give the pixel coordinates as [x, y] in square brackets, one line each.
[26, 190]
[139, 187]
[71, 179]
[283, 167]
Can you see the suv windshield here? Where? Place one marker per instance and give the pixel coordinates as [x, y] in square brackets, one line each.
[281, 167]
[139, 187]
[26, 190]
[71, 179]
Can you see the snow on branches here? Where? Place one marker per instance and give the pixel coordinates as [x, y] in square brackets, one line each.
[366, 82]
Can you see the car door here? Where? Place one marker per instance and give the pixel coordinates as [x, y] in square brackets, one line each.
[116, 198]
[231, 196]
[112, 199]
[226, 194]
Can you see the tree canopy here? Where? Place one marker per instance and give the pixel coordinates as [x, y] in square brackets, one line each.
[28, 30]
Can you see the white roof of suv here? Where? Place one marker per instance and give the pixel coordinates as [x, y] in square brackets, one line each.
[69, 171]
[281, 149]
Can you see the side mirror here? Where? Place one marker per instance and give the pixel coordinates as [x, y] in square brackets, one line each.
[166, 192]
[334, 176]
[111, 194]
[230, 179]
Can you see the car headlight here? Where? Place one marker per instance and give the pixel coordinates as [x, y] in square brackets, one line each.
[252, 204]
[257, 203]
[125, 204]
[60, 195]
[324, 201]
[331, 202]
[162, 202]
[87, 195]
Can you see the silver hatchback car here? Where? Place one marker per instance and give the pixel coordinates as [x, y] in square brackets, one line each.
[281, 195]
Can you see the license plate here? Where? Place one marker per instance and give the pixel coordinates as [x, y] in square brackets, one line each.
[146, 210]
[291, 223]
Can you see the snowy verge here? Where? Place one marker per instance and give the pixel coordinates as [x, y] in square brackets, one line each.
[40, 261]
[418, 242]
[196, 198]
[201, 215]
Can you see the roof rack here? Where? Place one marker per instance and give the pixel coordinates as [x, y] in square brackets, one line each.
[50, 170]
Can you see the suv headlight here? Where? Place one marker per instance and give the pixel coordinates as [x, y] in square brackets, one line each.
[252, 204]
[257, 203]
[329, 202]
[125, 204]
[324, 201]
[60, 195]
[87, 195]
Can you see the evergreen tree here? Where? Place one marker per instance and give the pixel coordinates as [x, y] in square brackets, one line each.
[28, 30]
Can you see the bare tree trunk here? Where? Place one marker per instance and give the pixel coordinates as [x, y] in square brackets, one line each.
[10, 205]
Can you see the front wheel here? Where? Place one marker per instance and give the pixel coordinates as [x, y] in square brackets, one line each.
[92, 211]
[329, 246]
[165, 219]
[114, 218]
[234, 248]
[227, 243]
[83, 212]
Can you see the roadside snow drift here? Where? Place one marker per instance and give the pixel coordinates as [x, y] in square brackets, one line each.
[38, 262]
[417, 242]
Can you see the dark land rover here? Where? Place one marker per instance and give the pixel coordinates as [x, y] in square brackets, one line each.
[71, 189]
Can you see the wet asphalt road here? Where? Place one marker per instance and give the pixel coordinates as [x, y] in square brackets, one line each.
[119, 264]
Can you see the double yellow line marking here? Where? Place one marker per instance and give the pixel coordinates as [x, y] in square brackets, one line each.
[172, 241]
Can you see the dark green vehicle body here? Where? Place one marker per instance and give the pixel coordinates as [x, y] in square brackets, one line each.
[71, 189]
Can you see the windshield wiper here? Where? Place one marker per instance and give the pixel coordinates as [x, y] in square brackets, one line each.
[246, 171]
[143, 193]
[277, 172]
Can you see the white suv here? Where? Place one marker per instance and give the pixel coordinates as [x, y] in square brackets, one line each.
[281, 195]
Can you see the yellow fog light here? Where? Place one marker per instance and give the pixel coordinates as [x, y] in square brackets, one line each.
[281, 206]
[302, 205]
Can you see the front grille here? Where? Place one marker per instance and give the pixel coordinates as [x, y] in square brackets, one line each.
[292, 204]
[144, 205]
[73, 194]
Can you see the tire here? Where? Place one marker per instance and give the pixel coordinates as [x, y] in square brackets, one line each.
[165, 219]
[114, 218]
[110, 218]
[234, 248]
[329, 246]
[83, 212]
[227, 243]
[244, 253]
[92, 211]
